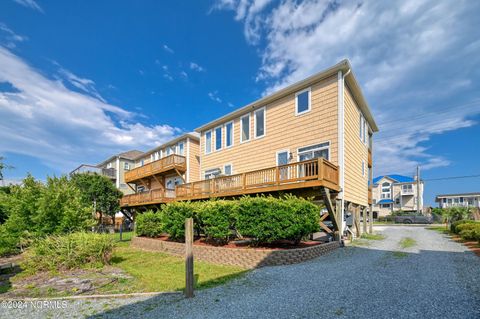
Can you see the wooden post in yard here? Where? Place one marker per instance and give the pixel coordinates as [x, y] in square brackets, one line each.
[370, 219]
[189, 279]
[364, 213]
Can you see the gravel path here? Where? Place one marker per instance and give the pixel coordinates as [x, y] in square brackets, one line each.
[436, 278]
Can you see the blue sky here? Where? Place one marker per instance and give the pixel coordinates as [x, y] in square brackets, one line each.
[80, 81]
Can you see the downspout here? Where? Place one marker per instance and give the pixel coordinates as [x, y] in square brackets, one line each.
[341, 143]
[117, 182]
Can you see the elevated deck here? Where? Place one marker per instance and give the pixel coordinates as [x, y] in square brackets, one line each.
[155, 196]
[294, 176]
[162, 166]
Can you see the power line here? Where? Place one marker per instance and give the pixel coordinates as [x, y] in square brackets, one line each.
[450, 177]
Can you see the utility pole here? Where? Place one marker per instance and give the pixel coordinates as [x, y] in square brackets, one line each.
[418, 190]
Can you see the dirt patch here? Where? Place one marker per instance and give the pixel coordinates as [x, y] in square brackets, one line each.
[66, 283]
[277, 245]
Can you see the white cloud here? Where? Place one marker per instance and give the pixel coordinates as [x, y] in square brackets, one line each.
[168, 49]
[184, 75]
[214, 96]
[194, 66]
[9, 37]
[85, 85]
[61, 127]
[31, 4]
[407, 55]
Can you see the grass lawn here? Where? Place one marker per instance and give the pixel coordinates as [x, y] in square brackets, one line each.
[130, 270]
[126, 236]
[154, 271]
[372, 236]
[407, 242]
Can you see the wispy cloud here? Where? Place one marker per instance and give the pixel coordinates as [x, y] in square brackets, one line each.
[9, 38]
[31, 4]
[417, 56]
[214, 96]
[168, 49]
[61, 127]
[194, 66]
[83, 84]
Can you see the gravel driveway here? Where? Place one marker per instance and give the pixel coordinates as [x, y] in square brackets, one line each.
[436, 278]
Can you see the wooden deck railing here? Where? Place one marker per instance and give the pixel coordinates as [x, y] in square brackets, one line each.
[153, 196]
[268, 179]
[162, 165]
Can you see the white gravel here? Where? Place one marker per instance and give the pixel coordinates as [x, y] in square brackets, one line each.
[437, 278]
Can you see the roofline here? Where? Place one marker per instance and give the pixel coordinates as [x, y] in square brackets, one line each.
[111, 158]
[173, 141]
[456, 195]
[343, 66]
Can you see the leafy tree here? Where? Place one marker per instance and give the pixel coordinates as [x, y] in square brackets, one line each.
[3, 166]
[99, 192]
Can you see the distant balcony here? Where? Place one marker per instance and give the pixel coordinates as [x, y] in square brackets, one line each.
[163, 165]
[91, 169]
[155, 196]
[407, 192]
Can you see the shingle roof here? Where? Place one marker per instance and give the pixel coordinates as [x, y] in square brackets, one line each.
[130, 154]
[397, 178]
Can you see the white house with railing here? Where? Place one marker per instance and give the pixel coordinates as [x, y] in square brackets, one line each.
[458, 200]
[394, 193]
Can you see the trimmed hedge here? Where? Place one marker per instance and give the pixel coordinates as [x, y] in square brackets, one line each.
[454, 225]
[70, 251]
[268, 219]
[264, 219]
[150, 224]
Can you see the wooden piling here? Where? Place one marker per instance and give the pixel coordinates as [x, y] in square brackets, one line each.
[189, 278]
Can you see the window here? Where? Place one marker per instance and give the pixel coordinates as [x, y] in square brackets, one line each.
[385, 205]
[260, 122]
[126, 166]
[212, 173]
[397, 201]
[109, 165]
[181, 148]
[245, 128]
[302, 102]
[218, 138]
[170, 150]
[142, 162]
[229, 134]
[140, 189]
[122, 185]
[363, 128]
[208, 142]
[227, 169]
[314, 151]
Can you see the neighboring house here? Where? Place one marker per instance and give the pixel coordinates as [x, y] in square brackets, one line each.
[114, 168]
[157, 172]
[394, 193]
[312, 138]
[458, 200]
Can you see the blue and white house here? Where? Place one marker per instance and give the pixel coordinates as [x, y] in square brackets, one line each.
[396, 192]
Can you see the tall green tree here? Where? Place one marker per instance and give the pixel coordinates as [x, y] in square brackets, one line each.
[99, 192]
[3, 166]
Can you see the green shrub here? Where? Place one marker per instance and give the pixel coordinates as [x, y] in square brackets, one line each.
[268, 219]
[470, 233]
[74, 250]
[454, 225]
[174, 218]
[149, 224]
[218, 219]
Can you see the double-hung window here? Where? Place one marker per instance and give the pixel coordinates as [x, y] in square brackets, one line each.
[181, 148]
[245, 128]
[208, 142]
[303, 102]
[229, 134]
[260, 122]
[218, 138]
[126, 166]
